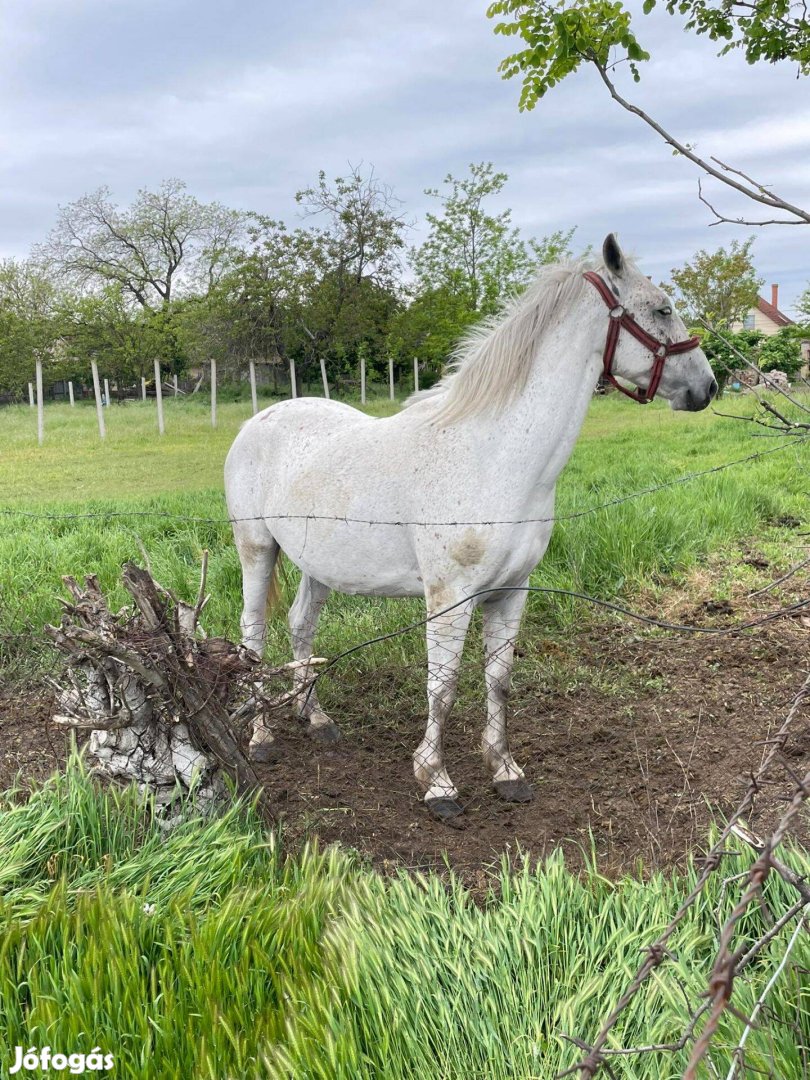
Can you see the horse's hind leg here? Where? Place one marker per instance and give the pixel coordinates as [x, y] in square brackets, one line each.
[501, 618]
[303, 620]
[258, 552]
[445, 644]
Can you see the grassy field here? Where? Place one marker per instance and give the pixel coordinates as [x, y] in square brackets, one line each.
[208, 954]
[643, 545]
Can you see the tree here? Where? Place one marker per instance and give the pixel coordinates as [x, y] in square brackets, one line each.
[472, 259]
[355, 261]
[719, 286]
[475, 256]
[122, 338]
[723, 351]
[166, 241]
[363, 225]
[803, 304]
[559, 38]
[29, 328]
[782, 351]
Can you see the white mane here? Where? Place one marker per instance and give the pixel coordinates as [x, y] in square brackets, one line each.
[491, 363]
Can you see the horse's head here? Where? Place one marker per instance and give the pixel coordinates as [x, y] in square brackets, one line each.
[651, 346]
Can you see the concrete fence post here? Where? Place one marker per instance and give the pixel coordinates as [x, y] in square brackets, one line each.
[40, 406]
[254, 400]
[99, 407]
[159, 397]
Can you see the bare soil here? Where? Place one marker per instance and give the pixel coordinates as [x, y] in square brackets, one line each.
[634, 755]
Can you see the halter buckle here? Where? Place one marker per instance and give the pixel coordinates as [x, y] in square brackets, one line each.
[661, 351]
[616, 312]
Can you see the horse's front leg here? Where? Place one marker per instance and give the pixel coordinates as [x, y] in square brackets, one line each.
[445, 644]
[501, 618]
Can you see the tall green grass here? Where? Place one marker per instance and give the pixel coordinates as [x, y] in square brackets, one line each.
[209, 953]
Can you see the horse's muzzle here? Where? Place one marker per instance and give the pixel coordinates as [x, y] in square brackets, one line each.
[695, 402]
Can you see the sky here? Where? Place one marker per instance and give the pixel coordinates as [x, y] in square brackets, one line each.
[247, 102]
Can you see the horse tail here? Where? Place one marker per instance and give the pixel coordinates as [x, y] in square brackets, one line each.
[274, 588]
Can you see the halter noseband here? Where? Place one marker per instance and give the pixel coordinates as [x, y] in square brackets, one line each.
[660, 349]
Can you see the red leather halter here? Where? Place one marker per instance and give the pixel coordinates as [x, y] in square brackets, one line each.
[660, 349]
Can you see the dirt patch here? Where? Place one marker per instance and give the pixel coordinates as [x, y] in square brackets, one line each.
[653, 737]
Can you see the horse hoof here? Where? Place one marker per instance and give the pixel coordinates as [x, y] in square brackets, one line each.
[263, 753]
[443, 809]
[514, 790]
[324, 733]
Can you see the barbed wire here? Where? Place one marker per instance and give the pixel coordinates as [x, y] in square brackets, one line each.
[572, 516]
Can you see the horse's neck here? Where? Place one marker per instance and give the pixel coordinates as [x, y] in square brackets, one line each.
[537, 432]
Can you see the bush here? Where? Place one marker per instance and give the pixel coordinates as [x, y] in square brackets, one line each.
[783, 351]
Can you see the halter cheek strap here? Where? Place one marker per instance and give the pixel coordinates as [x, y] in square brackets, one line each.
[621, 319]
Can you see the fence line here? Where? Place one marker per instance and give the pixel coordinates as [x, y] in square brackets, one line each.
[572, 516]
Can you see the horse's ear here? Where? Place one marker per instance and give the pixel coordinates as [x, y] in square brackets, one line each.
[612, 255]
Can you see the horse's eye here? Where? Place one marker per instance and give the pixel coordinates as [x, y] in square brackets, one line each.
[664, 310]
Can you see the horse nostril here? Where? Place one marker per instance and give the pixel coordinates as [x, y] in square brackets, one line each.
[712, 388]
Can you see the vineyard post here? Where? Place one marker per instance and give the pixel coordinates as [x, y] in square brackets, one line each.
[159, 397]
[107, 392]
[143, 387]
[102, 431]
[253, 398]
[416, 374]
[213, 393]
[391, 377]
[40, 406]
[362, 380]
[174, 384]
[325, 380]
[293, 387]
[31, 401]
[70, 393]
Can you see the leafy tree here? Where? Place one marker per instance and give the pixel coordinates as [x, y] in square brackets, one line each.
[474, 255]
[363, 226]
[428, 328]
[719, 286]
[355, 256]
[782, 351]
[803, 304]
[558, 38]
[720, 351]
[473, 258]
[253, 312]
[123, 339]
[29, 328]
[166, 241]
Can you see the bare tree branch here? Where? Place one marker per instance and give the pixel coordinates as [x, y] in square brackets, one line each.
[752, 189]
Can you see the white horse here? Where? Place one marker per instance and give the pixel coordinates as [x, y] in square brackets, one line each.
[454, 494]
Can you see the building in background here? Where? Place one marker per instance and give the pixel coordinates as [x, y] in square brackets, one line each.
[768, 319]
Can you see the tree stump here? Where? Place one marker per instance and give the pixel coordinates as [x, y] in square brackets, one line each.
[166, 706]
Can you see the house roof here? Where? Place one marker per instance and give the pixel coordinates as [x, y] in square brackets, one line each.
[773, 313]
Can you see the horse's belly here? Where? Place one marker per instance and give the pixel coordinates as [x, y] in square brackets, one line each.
[350, 557]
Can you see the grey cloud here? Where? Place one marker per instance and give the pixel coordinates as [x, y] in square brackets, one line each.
[248, 103]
